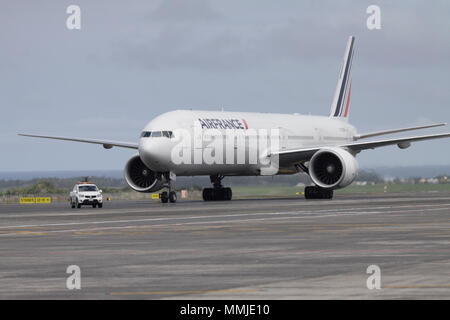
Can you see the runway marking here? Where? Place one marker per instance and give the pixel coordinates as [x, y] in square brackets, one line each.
[90, 233]
[136, 293]
[419, 286]
[204, 222]
[95, 231]
[309, 212]
[337, 213]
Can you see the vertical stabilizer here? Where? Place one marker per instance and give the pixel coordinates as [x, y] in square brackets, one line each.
[341, 100]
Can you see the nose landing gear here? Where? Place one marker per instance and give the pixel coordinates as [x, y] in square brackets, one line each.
[218, 192]
[170, 196]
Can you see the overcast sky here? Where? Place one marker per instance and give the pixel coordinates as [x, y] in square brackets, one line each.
[133, 60]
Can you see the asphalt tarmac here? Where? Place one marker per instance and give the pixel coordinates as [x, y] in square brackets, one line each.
[241, 249]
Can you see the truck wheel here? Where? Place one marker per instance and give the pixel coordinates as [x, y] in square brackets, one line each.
[94, 206]
[78, 204]
[100, 205]
[72, 204]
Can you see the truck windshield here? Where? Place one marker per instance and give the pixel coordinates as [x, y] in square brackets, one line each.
[87, 188]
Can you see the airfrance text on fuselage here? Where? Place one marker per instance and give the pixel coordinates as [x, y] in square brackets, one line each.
[223, 124]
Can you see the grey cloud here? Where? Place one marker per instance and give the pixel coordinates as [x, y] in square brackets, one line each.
[180, 38]
[175, 11]
[134, 60]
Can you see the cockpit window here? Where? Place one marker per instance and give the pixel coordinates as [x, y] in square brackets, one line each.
[157, 134]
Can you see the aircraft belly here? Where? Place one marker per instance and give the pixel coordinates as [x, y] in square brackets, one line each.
[224, 169]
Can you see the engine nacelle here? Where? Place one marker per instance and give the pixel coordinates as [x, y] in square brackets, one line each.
[139, 177]
[333, 168]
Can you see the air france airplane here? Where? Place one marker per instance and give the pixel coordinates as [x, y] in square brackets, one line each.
[322, 147]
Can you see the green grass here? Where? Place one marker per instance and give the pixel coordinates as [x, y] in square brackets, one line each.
[238, 192]
[396, 188]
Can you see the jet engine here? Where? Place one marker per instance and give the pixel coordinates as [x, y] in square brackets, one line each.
[139, 177]
[333, 168]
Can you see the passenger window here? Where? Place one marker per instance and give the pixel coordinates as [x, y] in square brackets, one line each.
[156, 134]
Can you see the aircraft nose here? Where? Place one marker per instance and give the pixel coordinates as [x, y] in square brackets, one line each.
[151, 153]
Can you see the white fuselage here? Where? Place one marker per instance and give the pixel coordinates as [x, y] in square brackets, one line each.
[294, 131]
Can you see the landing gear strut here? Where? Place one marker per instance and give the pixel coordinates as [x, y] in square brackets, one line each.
[318, 193]
[170, 196]
[218, 192]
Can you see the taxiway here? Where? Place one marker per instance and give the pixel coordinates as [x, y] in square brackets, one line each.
[242, 249]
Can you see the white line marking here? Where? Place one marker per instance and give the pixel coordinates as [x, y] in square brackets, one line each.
[200, 207]
[216, 222]
[210, 216]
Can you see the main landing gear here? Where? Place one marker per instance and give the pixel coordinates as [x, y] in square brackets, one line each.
[318, 193]
[168, 196]
[218, 192]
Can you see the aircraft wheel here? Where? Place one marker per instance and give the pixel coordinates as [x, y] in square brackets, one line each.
[173, 196]
[308, 193]
[208, 194]
[229, 194]
[217, 194]
[164, 197]
[224, 194]
[318, 193]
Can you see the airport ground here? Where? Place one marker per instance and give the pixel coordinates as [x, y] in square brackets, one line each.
[268, 248]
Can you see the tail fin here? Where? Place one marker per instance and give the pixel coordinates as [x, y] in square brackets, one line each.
[341, 101]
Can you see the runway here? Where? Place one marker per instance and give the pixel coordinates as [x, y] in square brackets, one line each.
[242, 249]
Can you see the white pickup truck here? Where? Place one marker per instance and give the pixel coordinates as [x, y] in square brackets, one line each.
[86, 193]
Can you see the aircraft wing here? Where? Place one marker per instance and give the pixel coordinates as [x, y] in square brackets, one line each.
[107, 144]
[379, 133]
[304, 154]
[401, 142]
